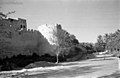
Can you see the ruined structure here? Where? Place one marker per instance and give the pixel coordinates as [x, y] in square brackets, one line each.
[19, 24]
[16, 39]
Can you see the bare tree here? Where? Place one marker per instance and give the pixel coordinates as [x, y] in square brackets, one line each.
[57, 38]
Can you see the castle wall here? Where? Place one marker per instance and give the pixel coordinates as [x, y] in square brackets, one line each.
[13, 23]
[18, 40]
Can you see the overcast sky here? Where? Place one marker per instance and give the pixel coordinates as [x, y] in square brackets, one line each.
[86, 19]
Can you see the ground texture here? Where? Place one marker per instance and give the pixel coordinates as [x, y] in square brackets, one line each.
[93, 68]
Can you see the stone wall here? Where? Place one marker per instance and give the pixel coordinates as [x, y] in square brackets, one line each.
[16, 39]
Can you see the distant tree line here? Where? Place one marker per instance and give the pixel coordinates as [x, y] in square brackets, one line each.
[108, 42]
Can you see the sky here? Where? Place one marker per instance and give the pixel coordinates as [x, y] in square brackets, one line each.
[86, 19]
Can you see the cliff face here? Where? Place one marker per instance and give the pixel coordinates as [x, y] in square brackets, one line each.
[16, 39]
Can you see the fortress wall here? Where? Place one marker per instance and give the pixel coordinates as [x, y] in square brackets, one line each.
[22, 41]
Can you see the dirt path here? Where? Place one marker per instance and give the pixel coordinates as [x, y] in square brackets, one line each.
[85, 69]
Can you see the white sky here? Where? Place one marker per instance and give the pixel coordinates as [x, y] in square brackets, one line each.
[86, 19]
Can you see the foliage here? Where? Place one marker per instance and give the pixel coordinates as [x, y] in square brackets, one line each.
[89, 47]
[20, 61]
[114, 41]
[101, 43]
[110, 42]
[59, 38]
[63, 42]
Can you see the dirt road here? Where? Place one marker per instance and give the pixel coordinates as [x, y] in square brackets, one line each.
[92, 68]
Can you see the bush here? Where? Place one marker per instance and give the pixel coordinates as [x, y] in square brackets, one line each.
[89, 56]
[9, 66]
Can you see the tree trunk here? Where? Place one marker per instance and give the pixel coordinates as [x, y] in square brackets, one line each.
[57, 58]
[118, 63]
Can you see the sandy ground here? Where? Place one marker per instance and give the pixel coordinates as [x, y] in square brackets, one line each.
[92, 68]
